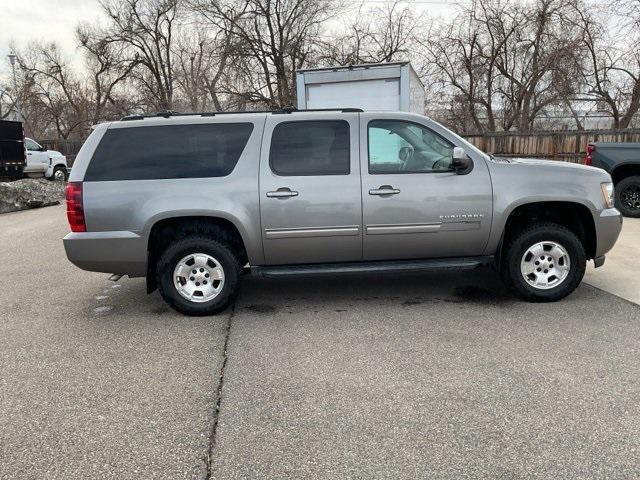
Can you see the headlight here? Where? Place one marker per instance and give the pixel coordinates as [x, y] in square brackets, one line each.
[607, 193]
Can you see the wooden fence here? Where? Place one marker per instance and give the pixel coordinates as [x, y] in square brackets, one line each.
[567, 146]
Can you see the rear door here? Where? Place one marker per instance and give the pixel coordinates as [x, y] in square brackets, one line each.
[414, 205]
[311, 208]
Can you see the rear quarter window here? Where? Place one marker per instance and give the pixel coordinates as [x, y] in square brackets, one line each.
[168, 151]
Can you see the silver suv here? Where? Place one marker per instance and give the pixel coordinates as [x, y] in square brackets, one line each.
[192, 201]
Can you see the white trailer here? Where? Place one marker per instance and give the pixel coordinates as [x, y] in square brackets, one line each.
[380, 86]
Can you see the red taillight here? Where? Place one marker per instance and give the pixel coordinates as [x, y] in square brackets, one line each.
[75, 211]
[589, 158]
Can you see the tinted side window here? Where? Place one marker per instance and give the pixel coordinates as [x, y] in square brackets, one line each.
[171, 151]
[396, 146]
[310, 148]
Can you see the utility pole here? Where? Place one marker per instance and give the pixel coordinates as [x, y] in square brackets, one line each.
[12, 60]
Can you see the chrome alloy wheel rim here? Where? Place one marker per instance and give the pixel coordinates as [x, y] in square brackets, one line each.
[198, 277]
[58, 175]
[545, 265]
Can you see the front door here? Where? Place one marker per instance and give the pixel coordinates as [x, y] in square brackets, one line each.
[310, 202]
[414, 205]
[37, 157]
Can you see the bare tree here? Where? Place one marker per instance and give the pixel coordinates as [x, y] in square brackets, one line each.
[508, 60]
[537, 65]
[202, 64]
[53, 89]
[613, 75]
[382, 34]
[145, 30]
[274, 38]
[465, 54]
[71, 101]
[628, 10]
[107, 69]
[496, 65]
[7, 102]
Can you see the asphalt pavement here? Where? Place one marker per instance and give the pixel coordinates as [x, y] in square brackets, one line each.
[430, 376]
[97, 380]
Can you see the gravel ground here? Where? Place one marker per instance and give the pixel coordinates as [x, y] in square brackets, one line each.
[30, 193]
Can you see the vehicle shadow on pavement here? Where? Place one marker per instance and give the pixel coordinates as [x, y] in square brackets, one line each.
[261, 295]
[480, 286]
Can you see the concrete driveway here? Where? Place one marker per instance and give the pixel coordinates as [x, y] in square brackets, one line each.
[432, 376]
[621, 272]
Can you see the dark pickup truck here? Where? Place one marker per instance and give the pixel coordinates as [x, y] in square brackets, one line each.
[12, 151]
[622, 162]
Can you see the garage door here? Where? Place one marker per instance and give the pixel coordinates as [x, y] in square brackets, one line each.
[365, 94]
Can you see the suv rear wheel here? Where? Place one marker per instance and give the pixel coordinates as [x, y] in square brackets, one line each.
[198, 275]
[627, 193]
[544, 263]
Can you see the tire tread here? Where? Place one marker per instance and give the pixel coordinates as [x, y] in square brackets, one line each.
[618, 188]
[568, 286]
[232, 276]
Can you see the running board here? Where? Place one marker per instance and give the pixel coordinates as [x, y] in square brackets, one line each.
[396, 266]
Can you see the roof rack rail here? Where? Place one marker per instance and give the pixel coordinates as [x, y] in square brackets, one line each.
[284, 110]
[292, 109]
[133, 117]
[167, 114]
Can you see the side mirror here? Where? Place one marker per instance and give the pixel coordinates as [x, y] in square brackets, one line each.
[461, 163]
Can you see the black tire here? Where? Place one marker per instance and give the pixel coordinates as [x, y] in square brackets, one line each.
[59, 169]
[191, 245]
[627, 194]
[517, 248]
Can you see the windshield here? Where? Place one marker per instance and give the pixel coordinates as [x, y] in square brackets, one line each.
[468, 146]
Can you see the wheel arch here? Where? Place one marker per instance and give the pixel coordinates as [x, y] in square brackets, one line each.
[163, 231]
[575, 216]
[59, 162]
[624, 170]
[59, 166]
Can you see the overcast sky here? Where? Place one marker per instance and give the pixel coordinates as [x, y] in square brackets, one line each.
[22, 21]
[47, 20]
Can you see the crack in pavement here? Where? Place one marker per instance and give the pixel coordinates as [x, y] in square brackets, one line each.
[216, 415]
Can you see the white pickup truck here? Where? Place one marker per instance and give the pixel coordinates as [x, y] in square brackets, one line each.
[43, 162]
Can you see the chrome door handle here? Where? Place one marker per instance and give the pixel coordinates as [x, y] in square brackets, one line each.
[282, 193]
[384, 190]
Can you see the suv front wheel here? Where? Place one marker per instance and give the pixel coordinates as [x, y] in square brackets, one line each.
[544, 263]
[198, 275]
